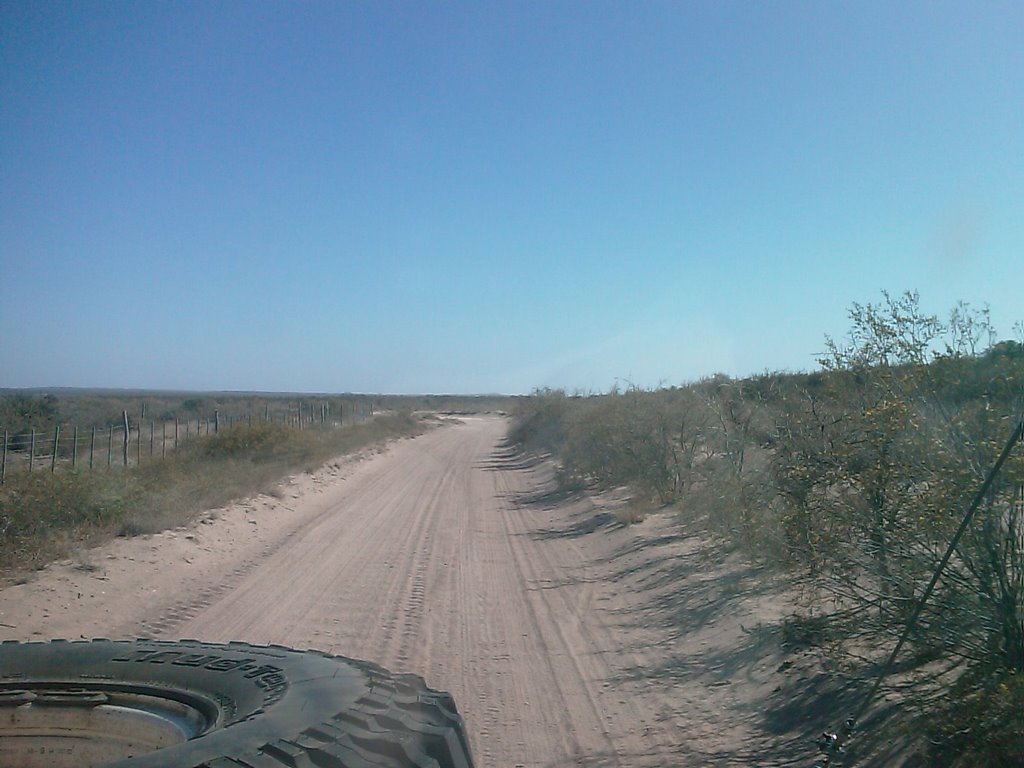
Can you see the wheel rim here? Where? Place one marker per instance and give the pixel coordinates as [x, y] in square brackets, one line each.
[53, 724]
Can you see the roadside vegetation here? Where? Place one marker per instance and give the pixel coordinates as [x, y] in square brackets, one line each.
[45, 516]
[852, 481]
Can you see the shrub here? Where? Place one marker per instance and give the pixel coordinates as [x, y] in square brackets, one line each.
[979, 722]
[857, 476]
[44, 515]
[37, 511]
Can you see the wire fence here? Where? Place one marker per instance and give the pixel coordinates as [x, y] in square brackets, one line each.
[133, 442]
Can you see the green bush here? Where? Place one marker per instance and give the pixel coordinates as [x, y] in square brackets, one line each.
[855, 477]
[979, 722]
[540, 420]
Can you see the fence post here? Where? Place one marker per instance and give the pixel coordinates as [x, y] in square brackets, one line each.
[3, 462]
[151, 438]
[74, 449]
[32, 451]
[163, 438]
[216, 421]
[175, 433]
[92, 448]
[138, 444]
[127, 434]
[110, 447]
[56, 441]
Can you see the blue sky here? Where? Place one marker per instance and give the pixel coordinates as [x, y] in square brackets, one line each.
[477, 197]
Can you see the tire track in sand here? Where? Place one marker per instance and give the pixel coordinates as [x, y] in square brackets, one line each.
[425, 562]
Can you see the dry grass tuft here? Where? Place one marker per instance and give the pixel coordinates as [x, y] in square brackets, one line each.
[44, 517]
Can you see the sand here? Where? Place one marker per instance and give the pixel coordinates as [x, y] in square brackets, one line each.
[566, 637]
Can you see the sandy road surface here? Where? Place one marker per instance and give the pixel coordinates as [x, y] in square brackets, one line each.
[441, 556]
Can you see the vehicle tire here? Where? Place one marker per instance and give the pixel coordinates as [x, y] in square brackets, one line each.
[148, 703]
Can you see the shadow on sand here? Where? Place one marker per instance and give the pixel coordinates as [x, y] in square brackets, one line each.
[686, 582]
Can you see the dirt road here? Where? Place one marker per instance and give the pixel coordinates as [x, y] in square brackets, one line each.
[445, 555]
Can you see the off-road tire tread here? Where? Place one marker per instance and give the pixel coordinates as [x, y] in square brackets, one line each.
[397, 723]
